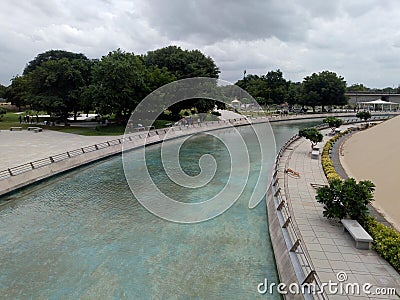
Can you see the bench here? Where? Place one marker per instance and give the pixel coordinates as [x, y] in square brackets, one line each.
[15, 128]
[35, 129]
[315, 154]
[362, 238]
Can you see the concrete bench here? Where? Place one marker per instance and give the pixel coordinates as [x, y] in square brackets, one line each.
[315, 154]
[362, 238]
[15, 128]
[35, 129]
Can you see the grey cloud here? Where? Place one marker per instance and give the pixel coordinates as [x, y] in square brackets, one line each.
[210, 21]
[357, 39]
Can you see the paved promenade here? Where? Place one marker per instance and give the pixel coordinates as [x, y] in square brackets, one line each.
[331, 250]
[19, 147]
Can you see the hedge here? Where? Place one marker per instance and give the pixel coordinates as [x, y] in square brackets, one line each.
[386, 241]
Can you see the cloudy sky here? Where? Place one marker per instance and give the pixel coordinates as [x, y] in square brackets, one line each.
[357, 39]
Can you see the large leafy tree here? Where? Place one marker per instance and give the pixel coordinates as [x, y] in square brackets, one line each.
[52, 55]
[184, 64]
[325, 88]
[120, 80]
[18, 91]
[118, 84]
[55, 85]
[266, 89]
[277, 86]
[2, 91]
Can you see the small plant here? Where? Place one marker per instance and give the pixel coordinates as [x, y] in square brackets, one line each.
[311, 134]
[346, 199]
[333, 122]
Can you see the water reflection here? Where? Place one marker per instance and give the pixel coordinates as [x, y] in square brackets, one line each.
[83, 235]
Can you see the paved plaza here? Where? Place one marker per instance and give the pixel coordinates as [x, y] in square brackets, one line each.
[19, 147]
[331, 250]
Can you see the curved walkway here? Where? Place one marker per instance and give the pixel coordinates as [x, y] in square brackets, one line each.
[330, 249]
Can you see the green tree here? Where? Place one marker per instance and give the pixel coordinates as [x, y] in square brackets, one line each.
[364, 115]
[55, 85]
[256, 87]
[3, 90]
[184, 64]
[267, 89]
[293, 95]
[358, 87]
[18, 91]
[333, 122]
[327, 88]
[277, 86]
[52, 55]
[118, 84]
[346, 199]
[311, 134]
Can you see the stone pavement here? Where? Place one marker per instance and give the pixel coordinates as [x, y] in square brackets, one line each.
[331, 250]
[19, 147]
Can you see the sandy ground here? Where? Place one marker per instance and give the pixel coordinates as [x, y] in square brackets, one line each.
[19, 147]
[374, 154]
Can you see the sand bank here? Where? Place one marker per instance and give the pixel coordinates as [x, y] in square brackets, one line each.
[374, 154]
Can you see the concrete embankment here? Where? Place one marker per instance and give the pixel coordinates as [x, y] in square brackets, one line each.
[24, 174]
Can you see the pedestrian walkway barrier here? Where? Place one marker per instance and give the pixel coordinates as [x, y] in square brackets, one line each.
[304, 270]
[17, 170]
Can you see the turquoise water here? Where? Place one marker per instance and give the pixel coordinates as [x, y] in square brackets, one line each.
[83, 235]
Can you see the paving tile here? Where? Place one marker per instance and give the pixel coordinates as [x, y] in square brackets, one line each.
[330, 249]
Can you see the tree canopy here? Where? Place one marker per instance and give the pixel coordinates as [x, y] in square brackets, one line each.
[333, 122]
[346, 199]
[182, 63]
[267, 89]
[311, 134]
[63, 83]
[54, 84]
[363, 115]
[325, 88]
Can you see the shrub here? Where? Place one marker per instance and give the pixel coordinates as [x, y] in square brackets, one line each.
[346, 199]
[386, 241]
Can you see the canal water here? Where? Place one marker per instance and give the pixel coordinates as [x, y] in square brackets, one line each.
[83, 235]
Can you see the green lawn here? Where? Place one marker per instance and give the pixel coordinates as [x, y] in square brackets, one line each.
[11, 120]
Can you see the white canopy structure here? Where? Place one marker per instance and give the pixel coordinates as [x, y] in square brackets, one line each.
[384, 105]
[236, 103]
